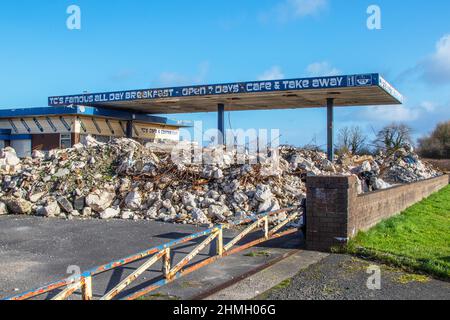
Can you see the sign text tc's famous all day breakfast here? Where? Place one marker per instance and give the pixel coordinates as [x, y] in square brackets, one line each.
[231, 88]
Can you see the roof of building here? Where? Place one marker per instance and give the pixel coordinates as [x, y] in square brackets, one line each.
[89, 111]
[349, 90]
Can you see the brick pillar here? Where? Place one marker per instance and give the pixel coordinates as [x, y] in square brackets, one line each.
[328, 204]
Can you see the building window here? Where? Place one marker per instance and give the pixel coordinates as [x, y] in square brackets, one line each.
[66, 141]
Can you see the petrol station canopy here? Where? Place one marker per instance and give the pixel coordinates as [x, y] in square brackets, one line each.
[346, 91]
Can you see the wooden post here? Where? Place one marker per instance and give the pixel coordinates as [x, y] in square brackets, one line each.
[219, 243]
[266, 227]
[166, 263]
[86, 289]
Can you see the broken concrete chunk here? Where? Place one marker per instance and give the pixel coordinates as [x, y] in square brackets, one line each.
[87, 212]
[18, 205]
[3, 209]
[199, 216]
[127, 215]
[61, 173]
[379, 184]
[101, 200]
[8, 157]
[37, 154]
[65, 204]
[79, 203]
[75, 213]
[36, 197]
[263, 193]
[365, 167]
[133, 200]
[152, 213]
[269, 205]
[219, 212]
[188, 200]
[218, 174]
[51, 210]
[328, 166]
[240, 197]
[110, 213]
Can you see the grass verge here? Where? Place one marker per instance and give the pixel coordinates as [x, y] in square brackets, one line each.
[416, 240]
[284, 284]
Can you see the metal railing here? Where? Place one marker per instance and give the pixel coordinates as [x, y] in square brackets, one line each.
[84, 282]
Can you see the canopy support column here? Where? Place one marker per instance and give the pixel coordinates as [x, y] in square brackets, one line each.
[330, 129]
[130, 129]
[221, 124]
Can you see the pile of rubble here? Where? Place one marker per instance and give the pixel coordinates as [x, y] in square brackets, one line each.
[126, 180]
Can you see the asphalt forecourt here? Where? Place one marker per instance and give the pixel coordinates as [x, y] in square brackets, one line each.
[40, 251]
[36, 251]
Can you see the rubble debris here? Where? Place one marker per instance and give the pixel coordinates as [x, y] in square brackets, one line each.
[3, 209]
[65, 204]
[125, 180]
[100, 200]
[110, 213]
[52, 209]
[18, 205]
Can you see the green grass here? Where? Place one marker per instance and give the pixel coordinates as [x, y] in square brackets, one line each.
[416, 240]
[284, 284]
[158, 296]
[257, 254]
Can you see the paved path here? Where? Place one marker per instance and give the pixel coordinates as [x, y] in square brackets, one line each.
[255, 285]
[342, 277]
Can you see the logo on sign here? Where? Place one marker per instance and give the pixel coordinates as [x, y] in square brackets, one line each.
[362, 81]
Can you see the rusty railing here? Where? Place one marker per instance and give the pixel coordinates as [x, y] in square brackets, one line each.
[84, 282]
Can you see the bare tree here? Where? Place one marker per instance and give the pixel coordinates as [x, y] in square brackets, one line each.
[393, 137]
[351, 140]
[437, 145]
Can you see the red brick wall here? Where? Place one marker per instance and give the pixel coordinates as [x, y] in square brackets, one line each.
[335, 212]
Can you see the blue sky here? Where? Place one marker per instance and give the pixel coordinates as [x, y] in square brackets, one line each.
[138, 43]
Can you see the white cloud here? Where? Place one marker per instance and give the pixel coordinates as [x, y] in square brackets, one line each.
[391, 114]
[295, 9]
[436, 68]
[273, 73]
[303, 8]
[398, 113]
[322, 69]
[428, 106]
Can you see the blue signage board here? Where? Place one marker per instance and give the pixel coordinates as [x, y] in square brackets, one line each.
[362, 80]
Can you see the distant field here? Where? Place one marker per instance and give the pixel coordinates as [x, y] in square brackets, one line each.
[418, 239]
[443, 165]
